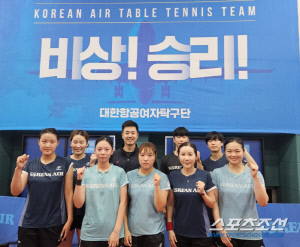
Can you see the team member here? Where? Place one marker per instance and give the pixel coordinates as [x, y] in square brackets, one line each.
[171, 162]
[103, 188]
[44, 221]
[148, 191]
[214, 141]
[239, 187]
[79, 141]
[192, 190]
[127, 156]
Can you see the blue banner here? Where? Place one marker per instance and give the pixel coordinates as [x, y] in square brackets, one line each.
[226, 65]
[280, 223]
[11, 209]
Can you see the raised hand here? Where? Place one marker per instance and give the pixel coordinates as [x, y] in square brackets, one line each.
[156, 179]
[21, 161]
[93, 159]
[200, 186]
[80, 173]
[253, 169]
[198, 157]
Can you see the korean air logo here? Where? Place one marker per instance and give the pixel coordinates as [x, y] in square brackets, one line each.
[114, 179]
[58, 168]
[249, 180]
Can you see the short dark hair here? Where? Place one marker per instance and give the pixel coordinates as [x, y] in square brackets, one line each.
[234, 139]
[104, 138]
[81, 133]
[181, 131]
[51, 131]
[214, 135]
[188, 144]
[130, 123]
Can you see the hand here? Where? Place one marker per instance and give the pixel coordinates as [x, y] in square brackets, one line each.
[172, 238]
[156, 179]
[200, 186]
[253, 169]
[80, 173]
[65, 231]
[21, 161]
[93, 159]
[225, 238]
[198, 159]
[127, 238]
[113, 240]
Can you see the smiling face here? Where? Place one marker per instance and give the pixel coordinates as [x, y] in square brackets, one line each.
[48, 143]
[187, 157]
[130, 135]
[147, 158]
[234, 153]
[103, 151]
[78, 144]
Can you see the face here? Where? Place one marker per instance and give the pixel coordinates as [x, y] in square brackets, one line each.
[214, 145]
[147, 158]
[130, 135]
[78, 144]
[48, 143]
[178, 140]
[234, 153]
[103, 151]
[187, 157]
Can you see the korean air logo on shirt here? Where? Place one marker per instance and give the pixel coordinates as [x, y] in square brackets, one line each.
[114, 179]
[58, 168]
[249, 180]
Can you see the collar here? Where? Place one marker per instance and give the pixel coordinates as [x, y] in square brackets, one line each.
[136, 149]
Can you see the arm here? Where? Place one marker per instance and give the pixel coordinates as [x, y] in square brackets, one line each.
[69, 202]
[216, 213]
[93, 159]
[20, 179]
[114, 236]
[127, 236]
[208, 198]
[170, 210]
[79, 193]
[160, 197]
[199, 161]
[249, 158]
[259, 189]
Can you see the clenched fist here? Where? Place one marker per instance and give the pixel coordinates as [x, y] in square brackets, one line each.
[200, 186]
[21, 161]
[156, 179]
[80, 173]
